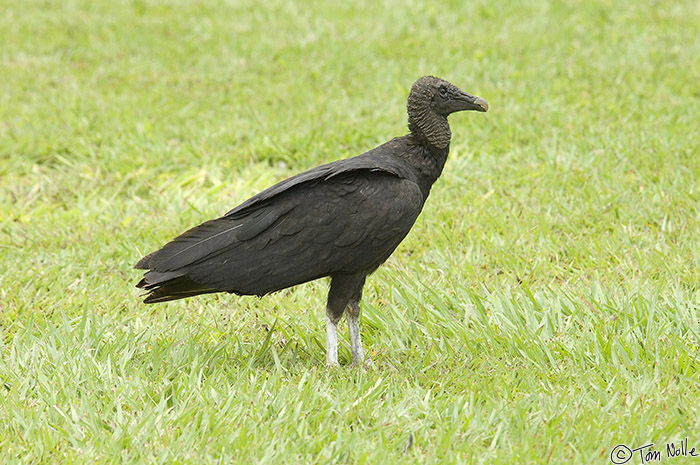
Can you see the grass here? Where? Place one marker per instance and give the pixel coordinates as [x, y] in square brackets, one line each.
[543, 310]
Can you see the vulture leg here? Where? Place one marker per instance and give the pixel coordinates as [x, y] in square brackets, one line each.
[353, 317]
[331, 341]
[345, 292]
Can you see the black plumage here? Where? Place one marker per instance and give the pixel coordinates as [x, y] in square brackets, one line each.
[342, 220]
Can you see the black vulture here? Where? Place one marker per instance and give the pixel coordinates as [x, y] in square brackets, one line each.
[341, 220]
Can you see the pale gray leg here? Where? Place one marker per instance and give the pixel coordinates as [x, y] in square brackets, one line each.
[345, 293]
[352, 313]
[331, 341]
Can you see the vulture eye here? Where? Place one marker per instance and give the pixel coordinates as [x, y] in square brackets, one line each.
[443, 90]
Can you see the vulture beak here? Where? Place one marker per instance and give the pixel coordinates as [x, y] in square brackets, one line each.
[471, 102]
[482, 104]
[462, 101]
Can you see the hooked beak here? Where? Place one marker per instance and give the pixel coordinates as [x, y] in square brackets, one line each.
[471, 102]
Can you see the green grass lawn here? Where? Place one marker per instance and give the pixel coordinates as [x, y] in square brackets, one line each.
[545, 307]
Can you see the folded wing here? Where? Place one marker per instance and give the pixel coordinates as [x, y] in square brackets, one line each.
[345, 222]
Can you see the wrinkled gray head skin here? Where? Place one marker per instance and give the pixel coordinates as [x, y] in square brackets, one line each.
[430, 102]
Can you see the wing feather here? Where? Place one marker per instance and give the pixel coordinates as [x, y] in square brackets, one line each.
[344, 223]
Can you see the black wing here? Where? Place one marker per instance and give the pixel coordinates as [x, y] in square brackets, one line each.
[344, 221]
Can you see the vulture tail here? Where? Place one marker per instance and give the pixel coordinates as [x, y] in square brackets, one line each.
[170, 288]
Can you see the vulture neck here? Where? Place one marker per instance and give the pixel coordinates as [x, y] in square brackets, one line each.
[431, 133]
[428, 128]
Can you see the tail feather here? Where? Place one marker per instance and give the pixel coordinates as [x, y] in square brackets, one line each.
[171, 288]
